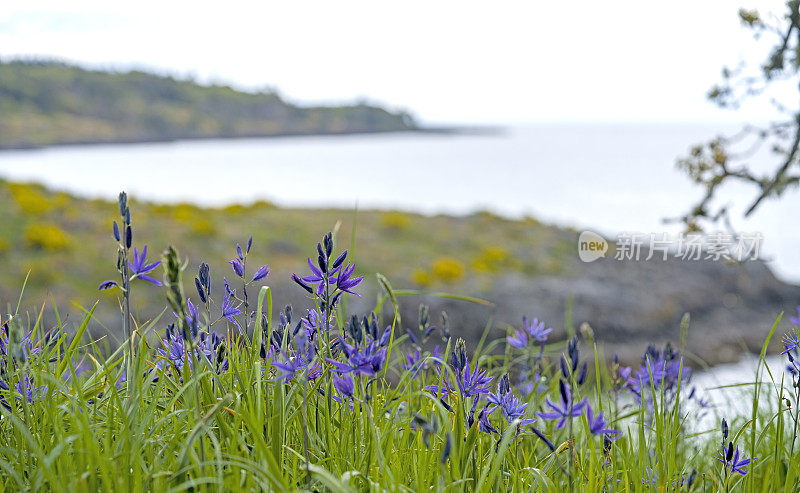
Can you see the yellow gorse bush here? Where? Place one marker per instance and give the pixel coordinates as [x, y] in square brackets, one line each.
[29, 199]
[395, 220]
[47, 236]
[448, 268]
[491, 259]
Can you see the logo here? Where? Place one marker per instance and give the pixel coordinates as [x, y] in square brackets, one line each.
[591, 246]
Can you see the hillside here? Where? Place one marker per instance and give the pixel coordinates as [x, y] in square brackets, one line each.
[523, 267]
[46, 103]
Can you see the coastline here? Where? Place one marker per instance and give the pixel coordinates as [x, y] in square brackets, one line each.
[440, 130]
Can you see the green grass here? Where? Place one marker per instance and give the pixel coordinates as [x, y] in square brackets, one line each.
[243, 429]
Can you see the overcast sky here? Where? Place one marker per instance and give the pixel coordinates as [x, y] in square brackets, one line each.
[446, 61]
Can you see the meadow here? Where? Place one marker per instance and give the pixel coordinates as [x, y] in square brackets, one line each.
[227, 389]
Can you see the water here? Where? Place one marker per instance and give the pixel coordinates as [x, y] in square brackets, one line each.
[609, 178]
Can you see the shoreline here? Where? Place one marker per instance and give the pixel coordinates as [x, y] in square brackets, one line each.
[440, 130]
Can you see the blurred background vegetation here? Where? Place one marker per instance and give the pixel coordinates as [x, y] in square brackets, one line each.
[66, 245]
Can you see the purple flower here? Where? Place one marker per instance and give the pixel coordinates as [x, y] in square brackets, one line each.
[287, 367]
[536, 329]
[561, 413]
[484, 425]
[191, 317]
[470, 382]
[140, 267]
[385, 337]
[791, 340]
[26, 346]
[597, 425]
[659, 368]
[511, 406]
[473, 382]
[174, 351]
[368, 359]
[414, 363]
[537, 384]
[344, 384]
[28, 391]
[796, 320]
[730, 458]
[209, 345]
[106, 285]
[344, 281]
[228, 310]
[318, 277]
[261, 273]
[298, 359]
[519, 340]
[238, 267]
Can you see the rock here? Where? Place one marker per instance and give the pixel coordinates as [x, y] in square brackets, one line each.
[631, 303]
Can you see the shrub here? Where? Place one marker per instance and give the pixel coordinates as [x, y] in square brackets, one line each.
[47, 236]
[421, 277]
[448, 269]
[491, 259]
[203, 227]
[29, 199]
[184, 213]
[234, 209]
[395, 220]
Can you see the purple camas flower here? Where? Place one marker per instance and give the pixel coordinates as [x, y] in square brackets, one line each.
[796, 320]
[367, 359]
[261, 273]
[140, 267]
[25, 349]
[660, 369]
[730, 459]
[191, 317]
[238, 267]
[519, 340]
[597, 425]
[470, 382]
[484, 425]
[296, 359]
[228, 310]
[344, 384]
[414, 363]
[319, 278]
[474, 382]
[28, 391]
[562, 412]
[288, 366]
[508, 403]
[536, 384]
[327, 273]
[345, 282]
[536, 329]
[211, 345]
[533, 331]
[791, 340]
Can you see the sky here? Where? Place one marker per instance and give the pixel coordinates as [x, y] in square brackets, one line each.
[498, 62]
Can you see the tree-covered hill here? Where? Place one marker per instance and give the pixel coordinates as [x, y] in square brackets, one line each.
[45, 103]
